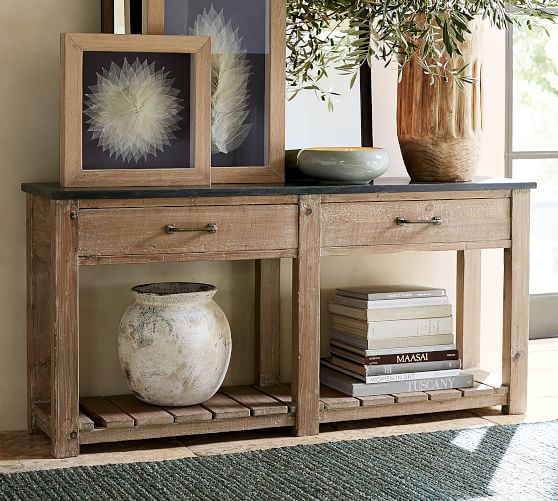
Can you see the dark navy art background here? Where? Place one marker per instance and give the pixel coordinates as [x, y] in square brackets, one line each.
[251, 18]
[177, 155]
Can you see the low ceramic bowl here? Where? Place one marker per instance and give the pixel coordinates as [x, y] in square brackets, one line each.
[343, 165]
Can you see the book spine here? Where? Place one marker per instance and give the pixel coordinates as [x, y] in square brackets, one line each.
[351, 386]
[401, 358]
[401, 342]
[402, 313]
[379, 370]
[394, 328]
[441, 383]
[413, 342]
[389, 296]
[376, 370]
[388, 378]
[391, 303]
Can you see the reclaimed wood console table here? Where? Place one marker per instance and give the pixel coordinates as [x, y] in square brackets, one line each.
[69, 227]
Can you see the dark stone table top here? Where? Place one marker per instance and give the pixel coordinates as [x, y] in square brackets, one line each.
[381, 185]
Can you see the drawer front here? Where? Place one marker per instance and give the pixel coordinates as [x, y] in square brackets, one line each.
[375, 223]
[128, 231]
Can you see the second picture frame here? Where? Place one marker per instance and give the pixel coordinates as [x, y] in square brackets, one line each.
[248, 75]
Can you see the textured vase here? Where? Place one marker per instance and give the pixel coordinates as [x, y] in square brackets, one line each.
[174, 343]
[439, 125]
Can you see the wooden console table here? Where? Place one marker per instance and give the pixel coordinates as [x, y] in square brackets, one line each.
[67, 228]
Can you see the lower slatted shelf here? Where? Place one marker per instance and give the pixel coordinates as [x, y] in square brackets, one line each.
[336, 406]
[124, 417]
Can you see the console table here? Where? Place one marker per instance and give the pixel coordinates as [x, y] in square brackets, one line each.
[72, 227]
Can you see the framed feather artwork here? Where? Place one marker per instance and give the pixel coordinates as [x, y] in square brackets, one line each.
[247, 77]
[135, 110]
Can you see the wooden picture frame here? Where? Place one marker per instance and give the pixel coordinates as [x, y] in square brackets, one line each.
[72, 171]
[274, 134]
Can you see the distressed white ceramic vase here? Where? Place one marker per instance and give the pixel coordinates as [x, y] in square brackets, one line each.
[174, 343]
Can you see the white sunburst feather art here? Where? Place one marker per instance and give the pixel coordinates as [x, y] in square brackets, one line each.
[133, 110]
[230, 76]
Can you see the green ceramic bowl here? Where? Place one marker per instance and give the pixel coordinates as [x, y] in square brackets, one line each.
[343, 165]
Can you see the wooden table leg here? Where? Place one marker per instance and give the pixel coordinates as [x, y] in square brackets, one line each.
[306, 319]
[64, 318]
[468, 307]
[268, 332]
[516, 305]
[38, 307]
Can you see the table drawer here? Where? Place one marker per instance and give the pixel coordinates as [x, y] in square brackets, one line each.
[376, 223]
[125, 231]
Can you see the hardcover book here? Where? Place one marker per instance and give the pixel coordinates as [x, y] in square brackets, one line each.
[380, 369]
[373, 293]
[355, 388]
[394, 342]
[403, 313]
[390, 303]
[387, 378]
[423, 356]
[393, 328]
[345, 342]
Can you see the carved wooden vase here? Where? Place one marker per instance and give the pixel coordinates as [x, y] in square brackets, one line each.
[174, 343]
[439, 124]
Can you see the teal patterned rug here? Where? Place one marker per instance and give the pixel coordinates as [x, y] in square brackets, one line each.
[518, 462]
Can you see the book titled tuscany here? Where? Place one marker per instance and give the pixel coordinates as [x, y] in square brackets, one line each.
[355, 388]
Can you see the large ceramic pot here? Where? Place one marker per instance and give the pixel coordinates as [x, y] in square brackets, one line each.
[439, 124]
[174, 343]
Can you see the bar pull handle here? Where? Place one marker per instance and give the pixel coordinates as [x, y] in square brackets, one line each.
[209, 228]
[400, 221]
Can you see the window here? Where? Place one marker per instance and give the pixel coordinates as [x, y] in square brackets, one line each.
[532, 153]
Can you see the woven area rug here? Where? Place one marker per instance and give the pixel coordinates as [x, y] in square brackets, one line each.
[498, 462]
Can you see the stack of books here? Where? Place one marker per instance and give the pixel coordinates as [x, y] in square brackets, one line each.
[392, 340]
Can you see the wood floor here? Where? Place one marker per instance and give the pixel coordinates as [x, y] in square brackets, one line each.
[22, 452]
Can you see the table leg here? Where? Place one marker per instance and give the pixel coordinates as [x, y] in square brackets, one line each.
[516, 305]
[468, 307]
[306, 319]
[268, 313]
[64, 318]
[38, 306]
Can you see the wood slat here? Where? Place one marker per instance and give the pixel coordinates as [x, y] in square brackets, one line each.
[375, 400]
[404, 409]
[444, 394]
[333, 399]
[189, 414]
[42, 416]
[223, 407]
[85, 423]
[104, 413]
[143, 414]
[259, 404]
[477, 389]
[412, 396]
[281, 392]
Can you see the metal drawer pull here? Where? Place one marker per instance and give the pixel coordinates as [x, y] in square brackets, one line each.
[209, 228]
[400, 221]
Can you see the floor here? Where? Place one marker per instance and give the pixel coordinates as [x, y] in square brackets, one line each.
[22, 452]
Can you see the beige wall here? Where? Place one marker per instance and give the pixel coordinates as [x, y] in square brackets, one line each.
[29, 145]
